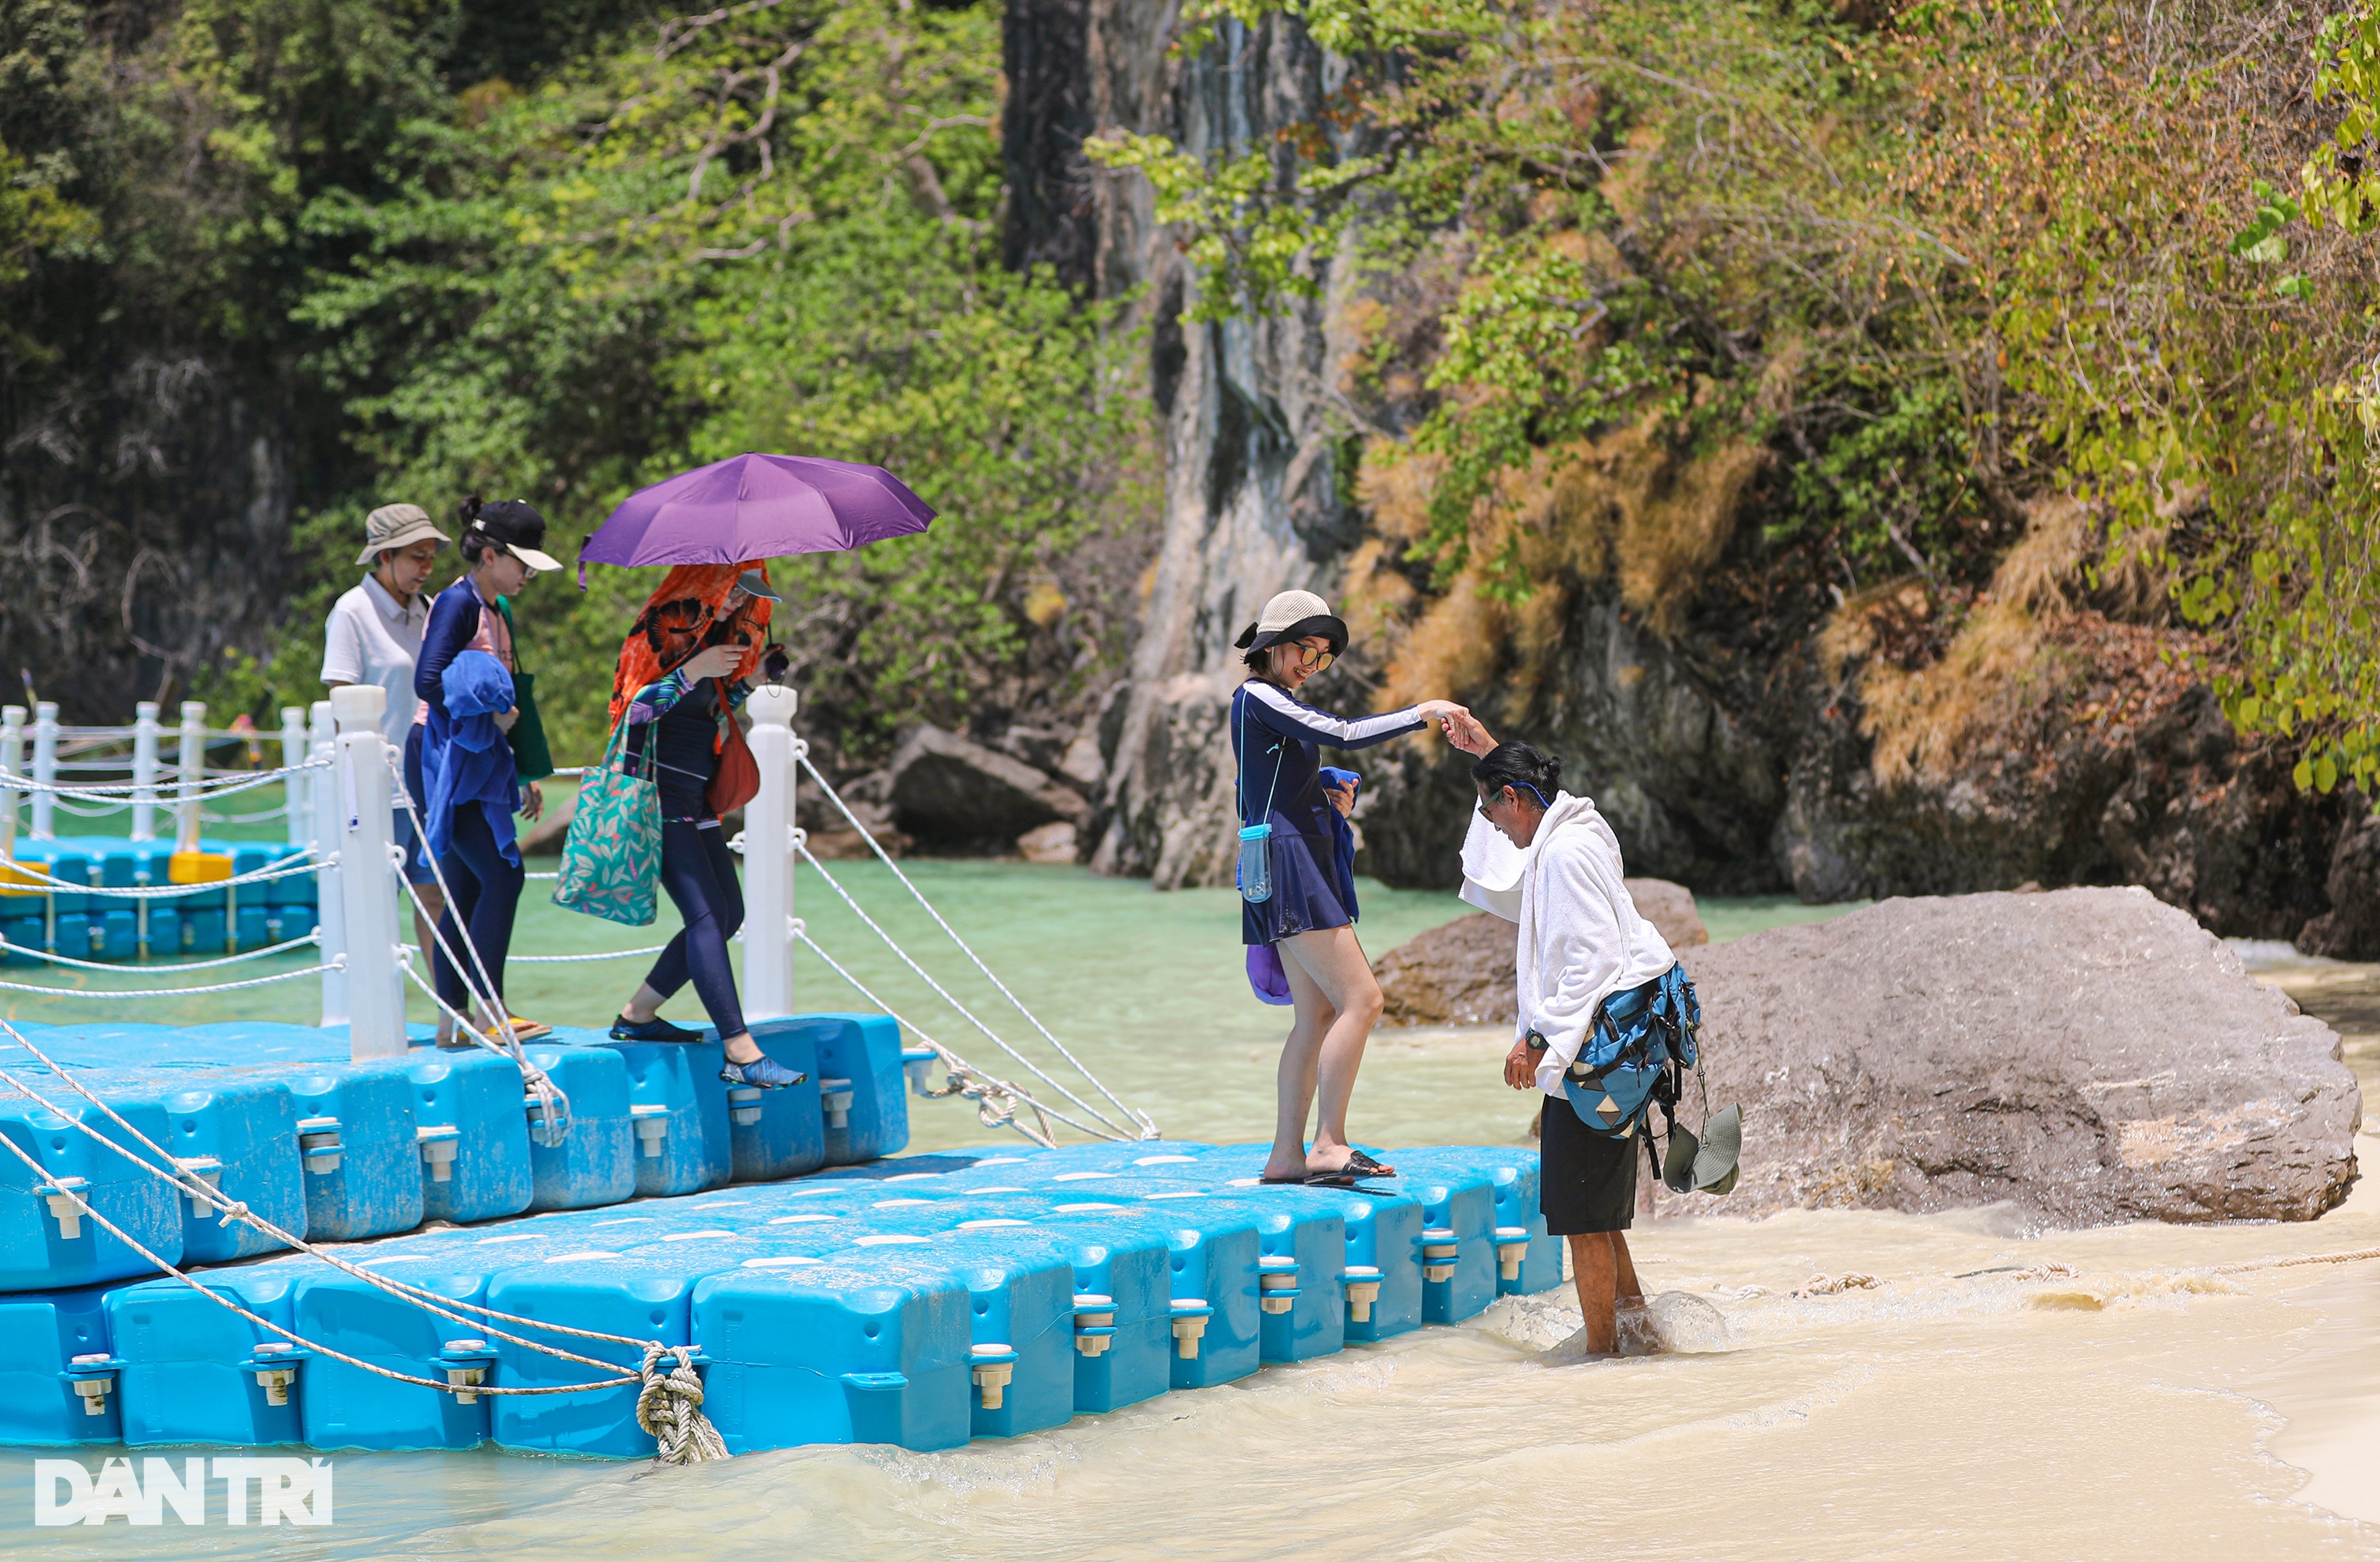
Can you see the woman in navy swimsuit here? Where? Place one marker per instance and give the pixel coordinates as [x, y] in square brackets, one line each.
[1308, 918]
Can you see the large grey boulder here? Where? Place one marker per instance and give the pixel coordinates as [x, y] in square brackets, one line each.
[2090, 1055]
[954, 795]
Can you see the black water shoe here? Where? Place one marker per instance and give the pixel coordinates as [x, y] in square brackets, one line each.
[654, 1029]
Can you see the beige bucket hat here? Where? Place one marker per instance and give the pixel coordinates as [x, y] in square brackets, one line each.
[397, 525]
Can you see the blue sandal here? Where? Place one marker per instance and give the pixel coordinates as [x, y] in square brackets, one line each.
[764, 1071]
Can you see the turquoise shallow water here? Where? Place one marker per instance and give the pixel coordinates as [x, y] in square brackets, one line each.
[2129, 1409]
[1147, 989]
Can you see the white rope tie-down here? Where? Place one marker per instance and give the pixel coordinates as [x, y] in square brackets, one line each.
[1146, 1125]
[1143, 1128]
[669, 1400]
[996, 1099]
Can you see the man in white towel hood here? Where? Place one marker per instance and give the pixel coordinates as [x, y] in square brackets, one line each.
[1544, 859]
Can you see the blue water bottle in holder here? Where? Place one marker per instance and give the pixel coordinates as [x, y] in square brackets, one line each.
[1254, 875]
[1254, 872]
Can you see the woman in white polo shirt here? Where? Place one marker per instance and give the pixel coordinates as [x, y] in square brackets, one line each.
[374, 635]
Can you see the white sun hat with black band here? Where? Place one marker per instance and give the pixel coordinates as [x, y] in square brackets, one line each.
[1293, 615]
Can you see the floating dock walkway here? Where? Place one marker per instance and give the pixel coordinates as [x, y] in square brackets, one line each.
[828, 1289]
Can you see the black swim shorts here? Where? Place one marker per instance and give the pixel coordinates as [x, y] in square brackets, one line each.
[1587, 1181]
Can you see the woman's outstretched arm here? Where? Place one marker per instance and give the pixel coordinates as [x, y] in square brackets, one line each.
[1275, 711]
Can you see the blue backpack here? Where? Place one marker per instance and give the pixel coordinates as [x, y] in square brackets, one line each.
[1637, 1052]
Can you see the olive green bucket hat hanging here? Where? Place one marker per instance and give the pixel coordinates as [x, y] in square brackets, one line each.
[1720, 1154]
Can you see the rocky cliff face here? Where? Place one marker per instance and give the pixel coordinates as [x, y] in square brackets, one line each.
[1252, 501]
[1727, 750]
[144, 513]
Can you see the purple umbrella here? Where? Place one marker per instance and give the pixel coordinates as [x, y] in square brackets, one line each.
[755, 507]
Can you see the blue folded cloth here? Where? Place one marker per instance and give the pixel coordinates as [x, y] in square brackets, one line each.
[465, 758]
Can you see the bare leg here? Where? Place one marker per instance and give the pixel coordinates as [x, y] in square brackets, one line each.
[1602, 1270]
[1334, 961]
[426, 916]
[1299, 1054]
[644, 1006]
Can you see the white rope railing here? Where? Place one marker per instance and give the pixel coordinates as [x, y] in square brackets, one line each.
[1148, 1125]
[290, 867]
[995, 1099]
[112, 792]
[962, 1010]
[577, 959]
[336, 962]
[240, 959]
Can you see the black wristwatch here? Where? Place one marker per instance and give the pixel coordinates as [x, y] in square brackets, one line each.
[1534, 1042]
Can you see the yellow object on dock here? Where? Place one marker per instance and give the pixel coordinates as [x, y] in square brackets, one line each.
[197, 867]
[15, 880]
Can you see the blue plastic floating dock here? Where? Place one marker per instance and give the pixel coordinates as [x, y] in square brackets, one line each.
[919, 1301]
[200, 921]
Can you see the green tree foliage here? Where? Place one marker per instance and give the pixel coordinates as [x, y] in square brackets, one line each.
[1656, 207]
[765, 228]
[1944, 257]
[560, 253]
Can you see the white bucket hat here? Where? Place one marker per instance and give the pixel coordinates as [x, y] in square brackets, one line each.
[397, 525]
[1292, 615]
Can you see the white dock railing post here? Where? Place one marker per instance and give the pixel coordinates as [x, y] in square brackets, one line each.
[144, 770]
[12, 763]
[190, 760]
[769, 858]
[330, 904]
[45, 770]
[367, 876]
[293, 788]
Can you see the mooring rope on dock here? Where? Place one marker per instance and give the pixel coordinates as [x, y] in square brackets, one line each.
[667, 1401]
[1118, 1132]
[1146, 1125]
[995, 1099]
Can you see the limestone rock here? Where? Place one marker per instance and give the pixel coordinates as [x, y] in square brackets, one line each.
[1462, 973]
[1670, 908]
[2090, 1055]
[954, 795]
[1052, 842]
[1458, 974]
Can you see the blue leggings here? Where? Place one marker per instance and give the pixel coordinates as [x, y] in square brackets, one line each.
[483, 892]
[700, 874]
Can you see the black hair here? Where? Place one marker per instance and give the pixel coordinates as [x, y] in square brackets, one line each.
[474, 543]
[1259, 661]
[1518, 765]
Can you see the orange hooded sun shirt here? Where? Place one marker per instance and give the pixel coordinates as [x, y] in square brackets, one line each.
[679, 619]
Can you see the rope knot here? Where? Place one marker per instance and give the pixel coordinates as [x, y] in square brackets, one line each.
[234, 1211]
[669, 1405]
